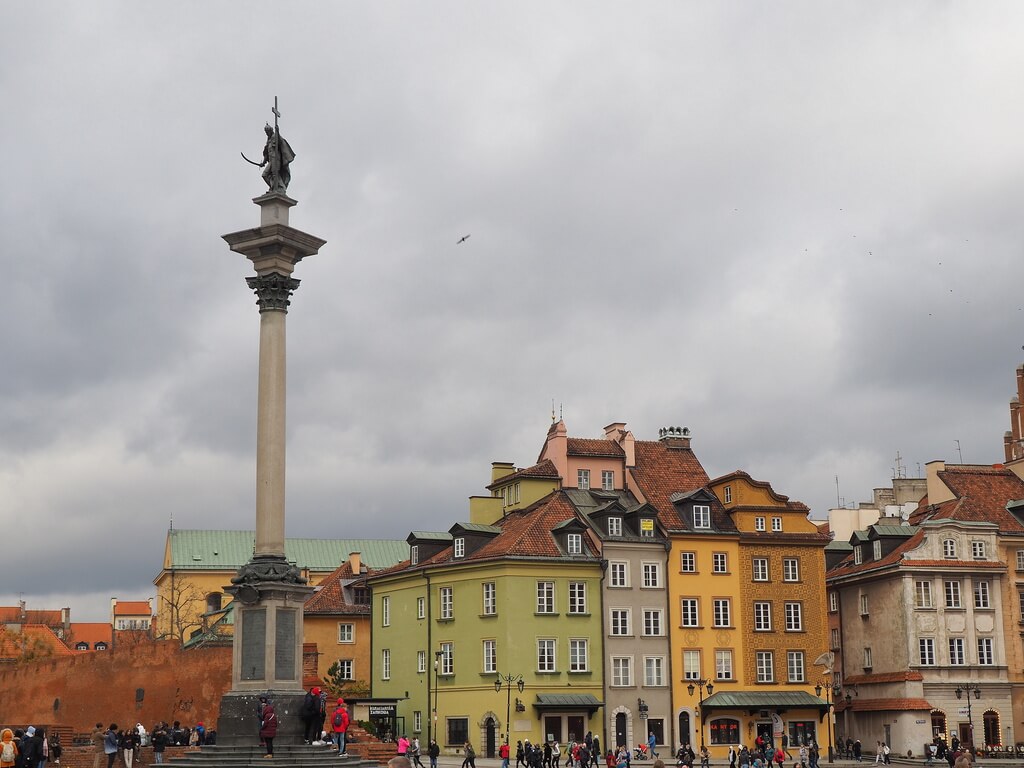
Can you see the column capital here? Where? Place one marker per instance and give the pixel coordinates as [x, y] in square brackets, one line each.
[273, 290]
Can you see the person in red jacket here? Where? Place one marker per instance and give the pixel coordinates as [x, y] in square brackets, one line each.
[339, 724]
[268, 728]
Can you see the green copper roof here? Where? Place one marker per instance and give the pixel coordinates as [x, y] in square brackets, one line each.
[431, 535]
[219, 550]
[841, 546]
[763, 700]
[895, 530]
[567, 700]
[477, 528]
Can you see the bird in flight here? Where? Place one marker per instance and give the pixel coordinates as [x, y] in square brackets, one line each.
[462, 239]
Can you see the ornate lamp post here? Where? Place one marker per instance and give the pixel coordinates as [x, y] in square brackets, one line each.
[506, 681]
[827, 684]
[968, 688]
[837, 694]
[437, 667]
[700, 685]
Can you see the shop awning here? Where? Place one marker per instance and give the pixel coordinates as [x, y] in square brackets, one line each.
[567, 701]
[773, 701]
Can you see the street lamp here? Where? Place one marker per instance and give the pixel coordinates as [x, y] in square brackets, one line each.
[827, 684]
[968, 688]
[837, 694]
[507, 681]
[700, 686]
[437, 667]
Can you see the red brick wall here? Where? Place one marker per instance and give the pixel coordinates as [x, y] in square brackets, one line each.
[101, 686]
[82, 757]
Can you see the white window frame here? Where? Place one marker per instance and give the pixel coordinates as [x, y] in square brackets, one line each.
[868, 658]
[447, 660]
[346, 632]
[759, 568]
[689, 612]
[701, 516]
[619, 578]
[414, 554]
[421, 661]
[385, 611]
[574, 543]
[651, 573]
[622, 671]
[421, 607]
[833, 601]
[953, 595]
[459, 550]
[858, 555]
[957, 652]
[765, 666]
[776, 525]
[762, 616]
[982, 595]
[447, 603]
[723, 664]
[926, 651]
[986, 651]
[654, 671]
[759, 523]
[722, 612]
[687, 562]
[579, 655]
[489, 649]
[607, 480]
[791, 569]
[795, 667]
[864, 607]
[719, 562]
[385, 664]
[691, 664]
[794, 612]
[545, 597]
[1020, 559]
[583, 479]
[727, 494]
[620, 621]
[547, 655]
[577, 597]
[949, 549]
[489, 595]
[417, 721]
[654, 622]
[346, 669]
[923, 594]
[978, 550]
[614, 526]
[876, 549]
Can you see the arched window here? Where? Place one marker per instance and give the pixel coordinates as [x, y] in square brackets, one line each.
[938, 723]
[949, 549]
[684, 728]
[213, 602]
[992, 738]
[725, 730]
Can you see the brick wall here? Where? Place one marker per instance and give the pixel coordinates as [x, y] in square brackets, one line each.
[82, 757]
[79, 691]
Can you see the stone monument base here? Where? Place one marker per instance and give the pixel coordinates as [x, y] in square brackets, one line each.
[239, 725]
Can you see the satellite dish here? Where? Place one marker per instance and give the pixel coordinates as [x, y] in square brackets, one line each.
[826, 660]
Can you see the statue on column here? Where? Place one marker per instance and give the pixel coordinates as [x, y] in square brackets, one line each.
[277, 157]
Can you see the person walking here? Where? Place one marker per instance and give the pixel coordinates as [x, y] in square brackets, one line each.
[268, 729]
[651, 743]
[433, 751]
[504, 752]
[470, 759]
[339, 724]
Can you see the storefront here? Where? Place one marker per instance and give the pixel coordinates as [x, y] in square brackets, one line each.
[735, 718]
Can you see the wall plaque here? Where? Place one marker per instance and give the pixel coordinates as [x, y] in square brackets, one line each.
[254, 644]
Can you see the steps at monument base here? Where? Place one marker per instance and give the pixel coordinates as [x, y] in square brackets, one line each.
[285, 756]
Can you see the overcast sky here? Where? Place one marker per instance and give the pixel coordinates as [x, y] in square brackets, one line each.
[793, 227]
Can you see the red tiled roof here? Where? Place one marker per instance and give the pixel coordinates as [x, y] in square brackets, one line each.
[983, 492]
[847, 566]
[545, 469]
[661, 471]
[34, 639]
[132, 608]
[585, 446]
[12, 615]
[330, 598]
[90, 632]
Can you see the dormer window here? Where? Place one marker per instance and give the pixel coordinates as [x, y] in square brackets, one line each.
[614, 526]
[876, 549]
[414, 554]
[777, 524]
[460, 546]
[858, 556]
[583, 479]
[727, 494]
[701, 516]
[81, 646]
[758, 523]
[100, 646]
[949, 549]
[647, 527]
[978, 550]
[574, 544]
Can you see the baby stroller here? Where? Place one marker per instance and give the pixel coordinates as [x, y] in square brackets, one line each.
[640, 752]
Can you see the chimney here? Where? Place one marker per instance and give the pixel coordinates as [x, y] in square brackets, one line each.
[675, 438]
[355, 562]
[22, 613]
[617, 432]
[113, 604]
[500, 469]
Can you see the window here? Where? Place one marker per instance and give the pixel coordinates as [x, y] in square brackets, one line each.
[876, 549]
[421, 661]
[833, 601]
[719, 562]
[652, 575]
[654, 671]
[647, 527]
[952, 589]
[577, 597]
[691, 665]
[622, 671]
[447, 608]
[447, 659]
[578, 656]
[607, 480]
[759, 524]
[385, 611]
[949, 549]
[923, 594]
[867, 658]
[981, 595]
[727, 494]
[101, 646]
[346, 633]
[620, 622]
[421, 607]
[956, 651]
[652, 622]
[978, 550]
[614, 526]
[777, 524]
[858, 555]
[794, 617]
[490, 656]
[762, 617]
[795, 666]
[414, 554]
[1020, 559]
[385, 664]
[81, 646]
[765, 667]
[790, 569]
[926, 651]
[460, 546]
[726, 730]
[583, 479]
[985, 652]
[864, 605]
[417, 721]
[346, 669]
[545, 597]
[701, 516]
[619, 575]
[574, 544]
[760, 565]
[458, 730]
[723, 664]
[688, 562]
[690, 616]
[723, 614]
[490, 596]
[361, 595]
[834, 632]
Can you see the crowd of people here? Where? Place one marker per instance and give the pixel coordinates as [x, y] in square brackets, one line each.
[29, 748]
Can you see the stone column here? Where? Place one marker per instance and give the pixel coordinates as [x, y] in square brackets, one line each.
[269, 591]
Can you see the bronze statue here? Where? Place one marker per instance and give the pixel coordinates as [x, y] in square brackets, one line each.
[277, 157]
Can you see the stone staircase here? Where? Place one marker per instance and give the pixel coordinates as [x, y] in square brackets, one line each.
[367, 747]
[285, 756]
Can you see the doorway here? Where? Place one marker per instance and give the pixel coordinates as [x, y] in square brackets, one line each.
[620, 730]
[490, 737]
[684, 728]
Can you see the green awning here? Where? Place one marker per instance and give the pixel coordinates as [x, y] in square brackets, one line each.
[773, 700]
[567, 701]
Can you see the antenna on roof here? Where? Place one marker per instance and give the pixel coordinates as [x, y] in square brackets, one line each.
[552, 410]
[838, 504]
[172, 522]
[900, 470]
[959, 451]
[559, 411]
